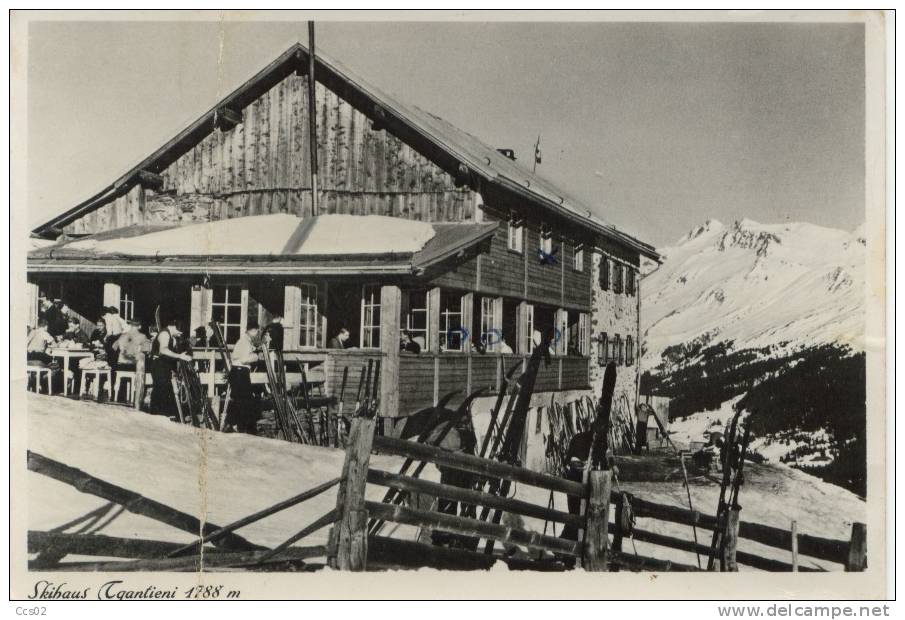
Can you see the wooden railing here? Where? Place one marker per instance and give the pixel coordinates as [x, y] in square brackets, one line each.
[599, 545]
[423, 378]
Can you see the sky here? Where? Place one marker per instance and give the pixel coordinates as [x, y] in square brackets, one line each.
[657, 126]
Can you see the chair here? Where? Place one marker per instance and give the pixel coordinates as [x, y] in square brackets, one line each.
[127, 376]
[95, 374]
[38, 372]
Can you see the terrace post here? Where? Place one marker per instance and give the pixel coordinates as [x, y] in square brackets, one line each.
[31, 295]
[292, 301]
[598, 515]
[350, 534]
[521, 328]
[433, 309]
[111, 294]
[200, 312]
[390, 312]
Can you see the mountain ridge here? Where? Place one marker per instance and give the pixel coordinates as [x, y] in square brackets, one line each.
[756, 286]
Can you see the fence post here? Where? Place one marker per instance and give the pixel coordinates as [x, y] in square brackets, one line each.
[731, 541]
[857, 549]
[598, 516]
[351, 535]
[794, 546]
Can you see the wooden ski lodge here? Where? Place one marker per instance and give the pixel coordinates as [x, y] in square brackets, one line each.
[412, 226]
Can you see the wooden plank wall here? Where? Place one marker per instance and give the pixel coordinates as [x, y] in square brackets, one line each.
[354, 360]
[484, 371]
[543, 281]
[262, 166]
[576, 285]
[416, 383]
[502, 271]
[417, 376]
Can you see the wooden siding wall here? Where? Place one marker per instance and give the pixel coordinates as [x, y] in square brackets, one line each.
[425, 377]
[416, 383]
[262, 166]
[355, 361]
[500, 272]
[543, 280]
[576, 285]
[484, 372]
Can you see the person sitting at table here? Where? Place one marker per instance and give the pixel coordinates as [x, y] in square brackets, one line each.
[97, 337]
[74, 333]
[339, 340]
[164, 356]
[244, 411]
[408, 343]
[36, 345]
[57, 318]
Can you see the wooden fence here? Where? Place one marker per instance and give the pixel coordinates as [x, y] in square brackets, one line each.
[599, 545]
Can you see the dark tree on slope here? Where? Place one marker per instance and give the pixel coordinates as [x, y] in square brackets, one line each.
[817, 388]
[824, 390]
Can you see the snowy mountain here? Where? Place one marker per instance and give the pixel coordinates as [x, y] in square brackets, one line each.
[756, 285]
[767, 320]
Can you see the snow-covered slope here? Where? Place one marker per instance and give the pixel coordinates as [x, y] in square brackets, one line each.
[757, 285]
[223, 477]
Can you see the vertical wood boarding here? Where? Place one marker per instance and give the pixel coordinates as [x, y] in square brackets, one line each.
[598, 515]
[351, 529]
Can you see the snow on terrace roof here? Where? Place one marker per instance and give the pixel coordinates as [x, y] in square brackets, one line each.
[278, 234]
[268, 243]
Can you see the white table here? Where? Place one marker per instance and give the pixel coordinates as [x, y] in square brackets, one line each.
[66, 355]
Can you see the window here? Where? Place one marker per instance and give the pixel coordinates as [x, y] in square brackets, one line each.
[617, 278]
[516, 235]
[629, 351]
[604, 273]
[227, 309]
[416, 317]
[617, 351]
[452, 336]
[127, 302]
[545, 242]
[308, 316]
[490, 322]
[603, 349]
[370, 316]
[579, 334]
[579, 259]
[629, 281]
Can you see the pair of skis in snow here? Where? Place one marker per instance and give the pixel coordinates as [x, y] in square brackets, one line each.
[732, 457]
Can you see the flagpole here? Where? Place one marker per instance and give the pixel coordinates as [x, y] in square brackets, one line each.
[312, 119]
[536, 147]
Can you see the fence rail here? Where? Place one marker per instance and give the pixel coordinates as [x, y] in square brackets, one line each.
[599, 548]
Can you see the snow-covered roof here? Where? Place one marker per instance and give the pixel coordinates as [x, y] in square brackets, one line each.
[268, 243]
[278, 234]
